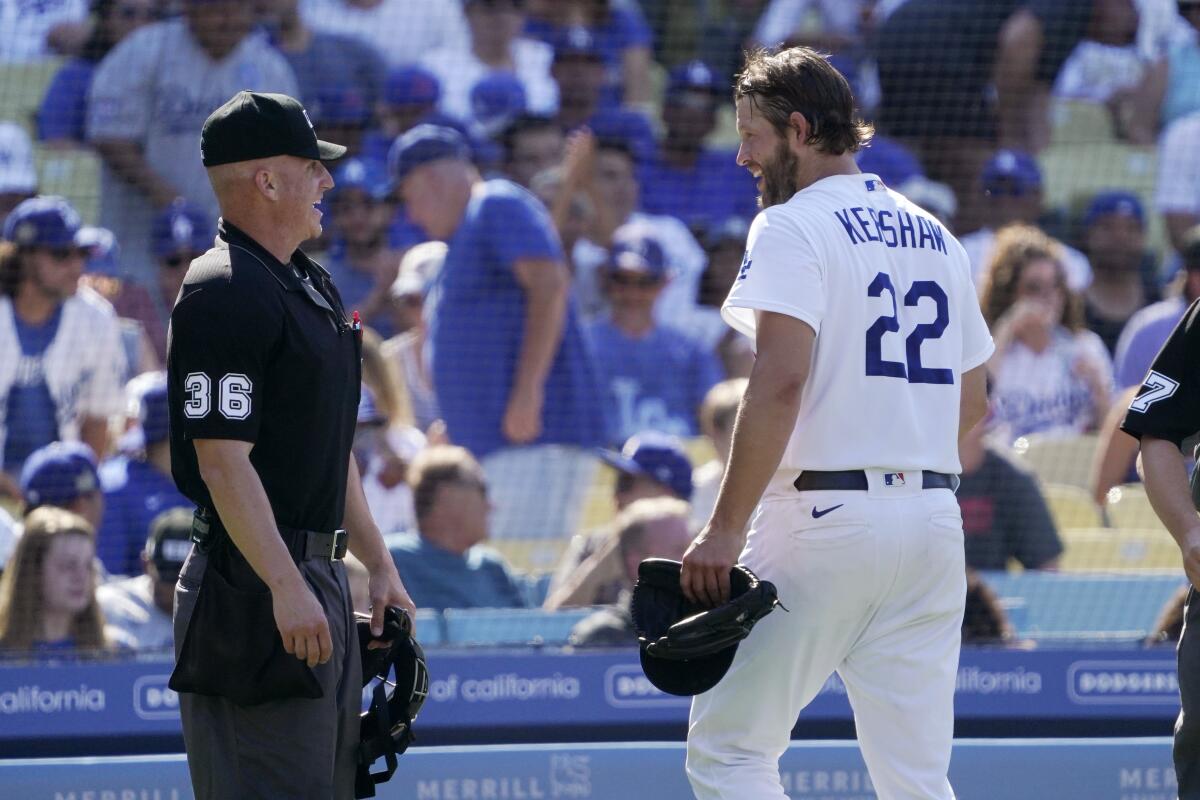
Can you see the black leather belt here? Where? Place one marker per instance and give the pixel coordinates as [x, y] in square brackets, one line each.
[856, 480]
[305, 545]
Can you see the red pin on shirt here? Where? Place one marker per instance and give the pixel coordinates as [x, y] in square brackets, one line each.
[355, 321]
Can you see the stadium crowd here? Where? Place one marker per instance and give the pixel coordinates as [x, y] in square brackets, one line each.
[489, 138]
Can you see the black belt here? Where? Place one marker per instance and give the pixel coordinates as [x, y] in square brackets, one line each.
[303, 545]
[856, 479]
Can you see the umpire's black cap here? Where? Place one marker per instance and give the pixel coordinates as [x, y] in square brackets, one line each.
[253, 125]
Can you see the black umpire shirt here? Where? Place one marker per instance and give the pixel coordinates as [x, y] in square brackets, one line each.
[1168, 404]
[262, 352]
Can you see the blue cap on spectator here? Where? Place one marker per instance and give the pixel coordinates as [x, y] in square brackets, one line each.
[891, 161]
[576, 41]
[103, 252]
[340, 104]
[655, 456]
[1014, 170]
[153, 413]
[694, 76]
[411, 86]
[423, 144]
[1125, 204]
[58, 473]
[43, 221]
[496, 99]
[365, 174]
[182, 228]
[635, 250]
[626, 126]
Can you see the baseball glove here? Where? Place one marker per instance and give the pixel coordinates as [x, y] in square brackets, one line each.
[671, 627]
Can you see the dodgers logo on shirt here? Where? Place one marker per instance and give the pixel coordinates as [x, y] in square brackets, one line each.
[745, 266]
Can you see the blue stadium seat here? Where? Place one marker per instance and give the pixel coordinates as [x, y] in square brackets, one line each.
[1074, 606]
[511, 626]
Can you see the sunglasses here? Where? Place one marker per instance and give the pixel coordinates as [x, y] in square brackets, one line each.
[66, 253]
[1039, 287]
[642, 281]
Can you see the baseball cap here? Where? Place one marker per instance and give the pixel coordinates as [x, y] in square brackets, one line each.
[891, 161]
[423, 144]
[656, 456]
[635, 250]
[169, 542]
[103, 252]
[576, 41]
[1118, 202]
[58, 473]
[629, 128]
[365, 174]
[146, 404]
[694, 76]
[411, 86]
[496, 99]
[340, 104]
[182, 227]
[1013, 169]
[254, 125]
[43, 221]
[418, 269]
[17, 172]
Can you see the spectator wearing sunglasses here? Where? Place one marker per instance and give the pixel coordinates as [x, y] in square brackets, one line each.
[1012, 188]
[652, 377]
[178, 234]
[61, 359]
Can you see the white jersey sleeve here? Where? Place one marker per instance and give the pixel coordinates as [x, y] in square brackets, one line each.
[780, 272]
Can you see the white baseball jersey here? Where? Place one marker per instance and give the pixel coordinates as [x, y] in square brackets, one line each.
[888, 291]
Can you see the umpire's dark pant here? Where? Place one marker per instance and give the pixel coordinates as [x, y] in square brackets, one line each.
[285, 748]
[1187, 727]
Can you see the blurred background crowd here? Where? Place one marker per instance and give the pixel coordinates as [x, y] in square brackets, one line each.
[1059, 139]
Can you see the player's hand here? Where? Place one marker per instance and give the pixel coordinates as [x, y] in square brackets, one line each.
[301, 622]
[386, 589]
[706, 564]
[523, 417]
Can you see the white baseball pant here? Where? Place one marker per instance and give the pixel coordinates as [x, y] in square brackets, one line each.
[875, 589]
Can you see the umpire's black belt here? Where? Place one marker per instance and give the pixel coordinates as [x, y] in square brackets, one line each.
[856, 480]
[303, 545]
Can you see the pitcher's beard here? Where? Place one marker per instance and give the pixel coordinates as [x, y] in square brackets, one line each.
[779, 177]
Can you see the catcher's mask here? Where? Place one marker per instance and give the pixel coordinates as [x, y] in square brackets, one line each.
[386, 727]
[686, 648]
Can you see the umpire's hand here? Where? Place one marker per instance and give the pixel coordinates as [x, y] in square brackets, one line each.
[301, 622]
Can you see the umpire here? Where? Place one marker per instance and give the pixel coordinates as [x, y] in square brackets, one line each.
[1165, 412]
[264, 369]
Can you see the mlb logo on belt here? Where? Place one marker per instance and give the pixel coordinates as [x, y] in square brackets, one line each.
[893, 479]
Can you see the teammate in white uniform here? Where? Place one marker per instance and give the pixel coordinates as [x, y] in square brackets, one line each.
[870, 350]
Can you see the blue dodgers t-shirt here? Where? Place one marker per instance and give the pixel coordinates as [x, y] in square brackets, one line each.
[63, 113]
[654, 383]
[30, 414]
[131, 502]
[715, 189]
[437, 578]
[477, 321]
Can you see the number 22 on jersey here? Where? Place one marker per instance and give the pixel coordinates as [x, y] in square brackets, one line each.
[912, 369]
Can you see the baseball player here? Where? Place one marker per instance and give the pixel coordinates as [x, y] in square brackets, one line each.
[870, 352]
